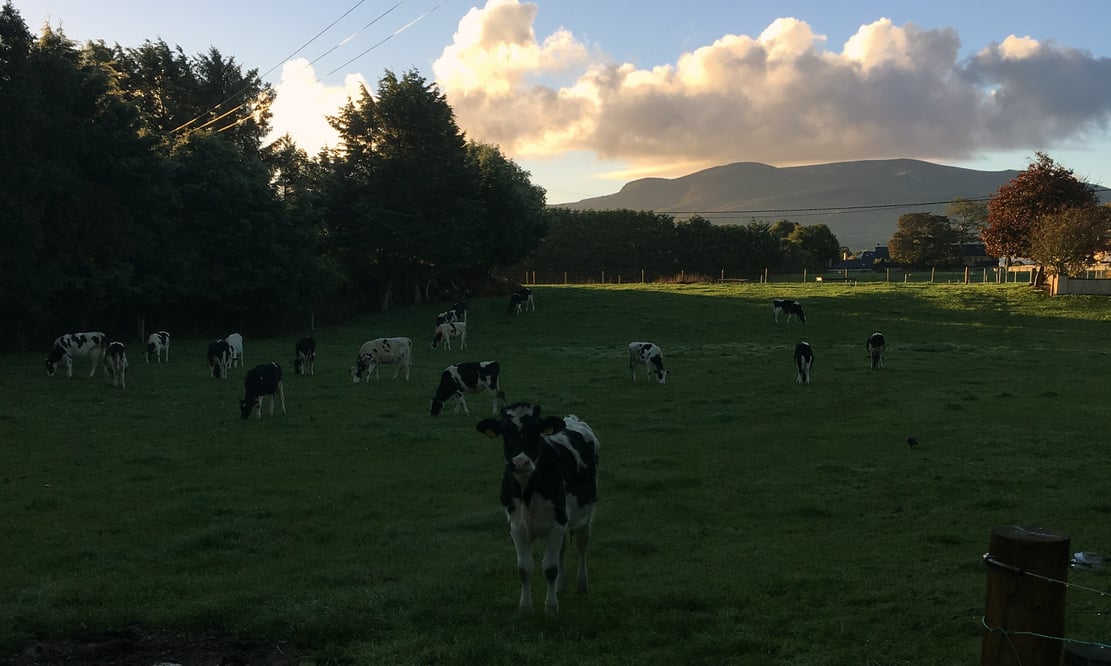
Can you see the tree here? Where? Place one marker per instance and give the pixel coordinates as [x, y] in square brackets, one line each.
[924, 239]
[968, 218]
[1068, 240]
[816, 246]
[1044, 188]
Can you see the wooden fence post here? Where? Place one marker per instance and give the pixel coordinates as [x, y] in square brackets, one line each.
[603, 277]
[1020, 601]
[804, 276]
[966, 275]
[642, 276]
[933, 271]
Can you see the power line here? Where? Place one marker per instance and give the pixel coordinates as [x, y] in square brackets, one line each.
[388, 38]
[279, 64]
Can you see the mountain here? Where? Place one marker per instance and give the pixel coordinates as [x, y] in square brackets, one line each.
[860, 201]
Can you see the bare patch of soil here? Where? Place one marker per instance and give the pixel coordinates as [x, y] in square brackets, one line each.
[146, 646]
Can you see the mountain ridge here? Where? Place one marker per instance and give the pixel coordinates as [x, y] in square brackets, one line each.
[860, 200]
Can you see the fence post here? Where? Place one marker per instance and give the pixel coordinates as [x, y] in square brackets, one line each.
[603, 277]
[765, 276]
[1020, 602]
[889, 275]
[642, 276]
[564, 277]
[723, 276]
[933, 270]
[804, 276]
[967, 272]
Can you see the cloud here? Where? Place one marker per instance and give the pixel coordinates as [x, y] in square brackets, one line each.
[302, 104]
[781, 97]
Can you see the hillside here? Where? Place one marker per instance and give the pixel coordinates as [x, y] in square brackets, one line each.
[735, 193]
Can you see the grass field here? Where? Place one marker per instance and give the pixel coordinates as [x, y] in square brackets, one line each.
[742, 518]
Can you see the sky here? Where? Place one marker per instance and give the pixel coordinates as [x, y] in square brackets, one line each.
[588, 96]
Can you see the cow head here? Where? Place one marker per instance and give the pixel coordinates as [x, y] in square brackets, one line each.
[522, 430]
[248, 406]
[364, 365]
[52, 360]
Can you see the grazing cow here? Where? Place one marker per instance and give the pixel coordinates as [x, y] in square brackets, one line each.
[262, 380]
[446, 331]
[549, 490]
[157, 345]
[804, 360]
[469, 377]
[652, 358]
[219, 352]
[382, 351]
[115, 363]
[305, 351]
[235, 350]
[521, 301]
[875, 346]
[458, 312]
[67, 346]
[792, 308]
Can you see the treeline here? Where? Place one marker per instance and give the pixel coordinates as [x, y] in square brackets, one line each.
[626, 242]
[135, 183]
[136, 186]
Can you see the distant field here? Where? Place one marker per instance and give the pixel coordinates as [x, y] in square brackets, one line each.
[742, 519]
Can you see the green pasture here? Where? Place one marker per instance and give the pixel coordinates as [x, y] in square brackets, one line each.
[742, 518]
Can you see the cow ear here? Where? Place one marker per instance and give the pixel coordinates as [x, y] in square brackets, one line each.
[489, 427]
[552, 425]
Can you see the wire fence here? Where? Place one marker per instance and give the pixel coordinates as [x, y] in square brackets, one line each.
[978, 275]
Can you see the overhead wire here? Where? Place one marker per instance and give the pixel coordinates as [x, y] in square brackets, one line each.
[391, 36]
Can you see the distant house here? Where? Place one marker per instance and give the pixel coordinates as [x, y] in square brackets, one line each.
[975, 255]
[865, 262]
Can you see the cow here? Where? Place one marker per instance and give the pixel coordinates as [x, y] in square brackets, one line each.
[458, 312]
[804, 360]
[652, 358]
[158, 344]
[791, 308]
[115, 363]
[875, 347]
[448, 330]
[219, 353]
[262, 380]
[69, 345]
[305, 356]
[549, 490]
[468, 377]
[235, 350]
[521, 301]
[382, 351]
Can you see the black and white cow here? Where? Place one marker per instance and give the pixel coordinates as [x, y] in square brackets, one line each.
[804, 360]
[219, 354]
[468, 377]
[70, 345]
[875, 347]
[158, 344]
[448, 330]
[652, 358]
[791, 308]
[115, 363]
[458, 312]
[521, 301]
[304, 356]
[235, 350]
[262, 380]
[382, 351]
[549, 491]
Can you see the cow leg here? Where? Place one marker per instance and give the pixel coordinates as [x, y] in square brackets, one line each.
[281, 396]
[552, 569]
[463, 342]
[462, 402]
[582, 541]
[518, 531]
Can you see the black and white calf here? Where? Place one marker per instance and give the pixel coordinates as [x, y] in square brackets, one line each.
[448, 330]
[875, 346]
[468, 377]
[304, 356]
[235, 350]
[70, 345]
[791, 308]
[382, 351]
[262, 380]
[804, 360]
[521, 301]
[158, 345]
[219, 354]
[115, 362]
[652, 358]
[549, 490]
